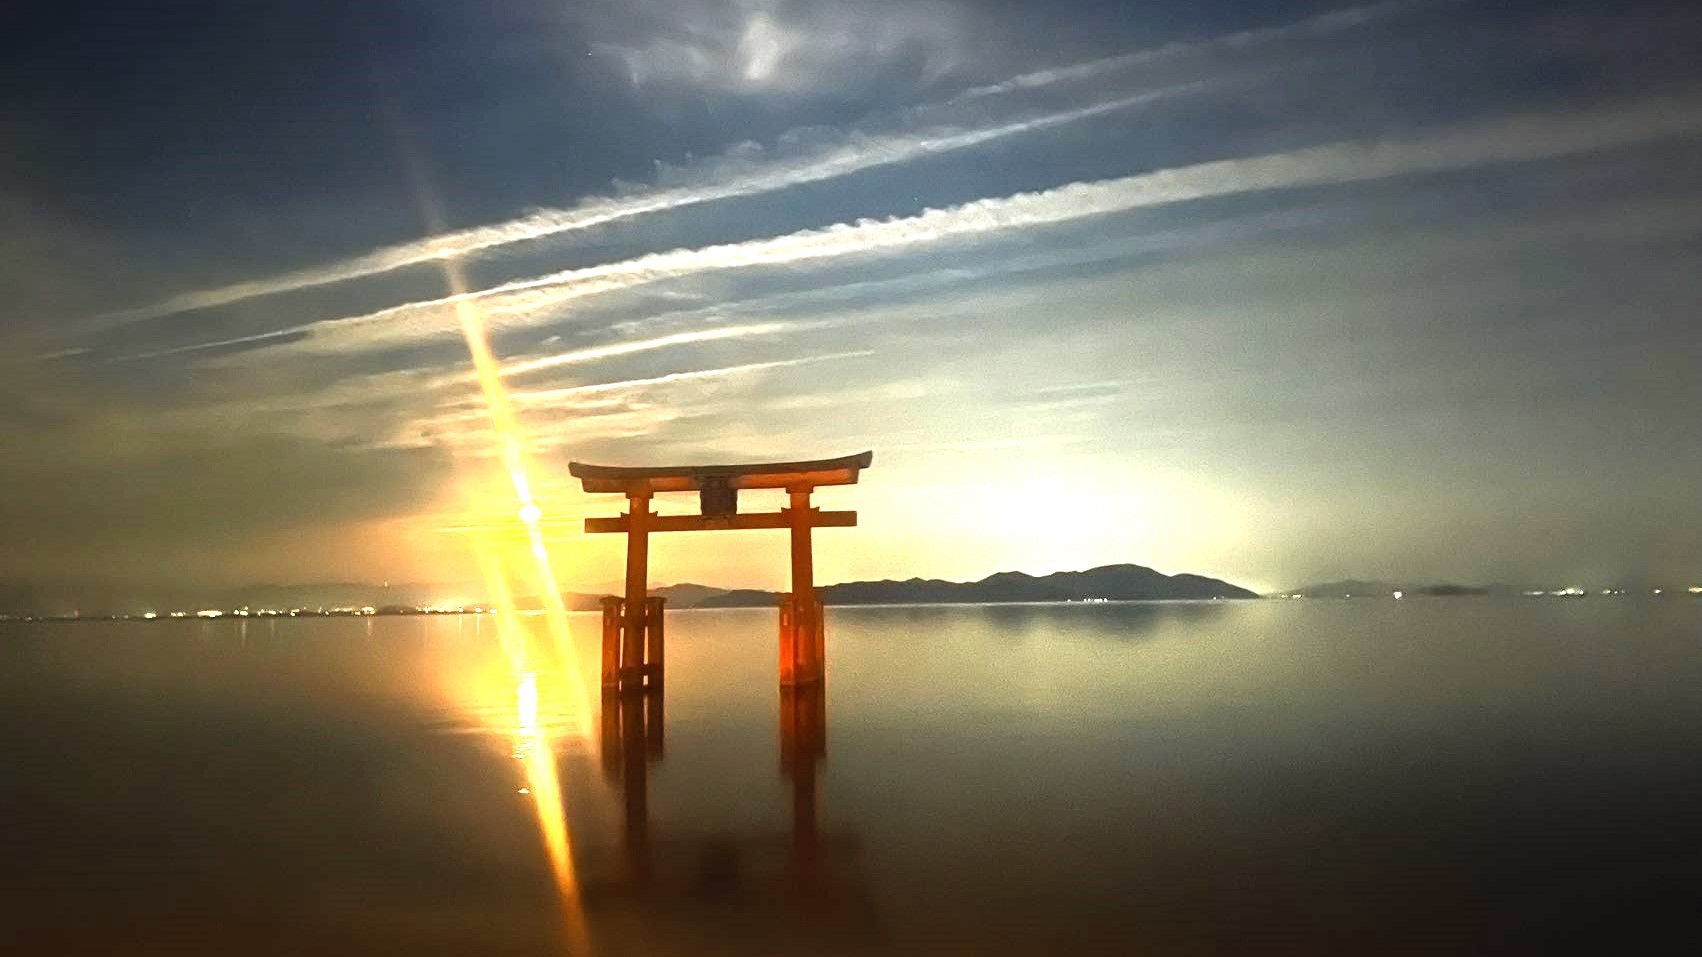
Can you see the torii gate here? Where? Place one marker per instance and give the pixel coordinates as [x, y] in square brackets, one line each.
[632, 626]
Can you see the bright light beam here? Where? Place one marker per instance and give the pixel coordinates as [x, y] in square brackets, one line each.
[534, 745]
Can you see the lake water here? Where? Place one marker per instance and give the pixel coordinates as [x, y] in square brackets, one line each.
[1292, 777]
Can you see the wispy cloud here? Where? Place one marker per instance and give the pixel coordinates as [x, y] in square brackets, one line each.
[546, 396]
[744, 172]
[612, 350]
[1321, 25]
[776, 48]
[1520, 139]
[800, 157]
[597, 410]
[202, 346]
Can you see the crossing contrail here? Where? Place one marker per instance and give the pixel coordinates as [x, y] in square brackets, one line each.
[745, 172]
[1322, 25]
[1506, 141]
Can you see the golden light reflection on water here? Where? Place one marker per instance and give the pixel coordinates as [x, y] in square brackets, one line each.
[533, 747]
[539, 699]
[535, 738]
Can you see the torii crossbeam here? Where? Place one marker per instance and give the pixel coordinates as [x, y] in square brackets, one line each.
[632, 627]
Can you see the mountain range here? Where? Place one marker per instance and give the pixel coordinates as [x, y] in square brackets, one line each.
[1359, 588]
[1107, 582]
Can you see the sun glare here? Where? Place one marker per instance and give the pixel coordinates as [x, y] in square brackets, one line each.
[562, 697]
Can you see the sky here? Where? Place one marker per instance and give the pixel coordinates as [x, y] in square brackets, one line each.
[1274, 292]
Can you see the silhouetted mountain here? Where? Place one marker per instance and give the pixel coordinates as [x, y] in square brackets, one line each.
[688, 594]
[683, 595]
[1347, 588]
[1357, 588]
[1453, 591]
[740, 598]
[1109, 582]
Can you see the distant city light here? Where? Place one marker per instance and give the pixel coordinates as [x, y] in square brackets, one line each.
[1399, 595]
[209, 613]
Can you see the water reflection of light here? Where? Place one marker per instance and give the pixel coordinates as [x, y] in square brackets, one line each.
[526, 704]
[532, 746]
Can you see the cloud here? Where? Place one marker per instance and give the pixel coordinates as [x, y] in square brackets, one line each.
[777, 48]
[1520, 139]
[747, 170]
[799, 157]
[597, 410]
[1247, 40]
[546, 396]
[611, 350]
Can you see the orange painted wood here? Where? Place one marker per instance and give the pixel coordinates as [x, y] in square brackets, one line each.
[803, 584]
[820, 655]
[611, 641]
[701, 523]
[690, 478]
[637, 576]
[653, 638]
[788, 640]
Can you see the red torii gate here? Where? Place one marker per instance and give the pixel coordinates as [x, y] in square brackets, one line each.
[632, 626]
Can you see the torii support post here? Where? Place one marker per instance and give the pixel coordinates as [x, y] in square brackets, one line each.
[637, 572]
[802, 654]
[611, 642]
[653, 639]
[621, 670]
[806, 611]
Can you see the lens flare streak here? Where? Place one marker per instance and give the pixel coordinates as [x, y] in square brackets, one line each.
[535, 744]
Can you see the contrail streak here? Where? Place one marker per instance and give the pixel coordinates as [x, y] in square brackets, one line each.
[204, 346]
[735, 175]
[595, 353]
[1321, 25]
[543, 396]
[859, 153]
[1517, 140]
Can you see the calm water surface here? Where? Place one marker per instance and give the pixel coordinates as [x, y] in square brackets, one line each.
[1292, 777]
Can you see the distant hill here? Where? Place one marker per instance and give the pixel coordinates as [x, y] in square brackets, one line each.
[1454, 591]
[688, 594]
[683, 595]
[1109, 582]
[1347, 588]
[1359, 588]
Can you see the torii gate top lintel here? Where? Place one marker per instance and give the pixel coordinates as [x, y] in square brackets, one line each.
[693, 478]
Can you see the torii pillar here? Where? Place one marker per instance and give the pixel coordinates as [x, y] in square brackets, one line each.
[632, 626]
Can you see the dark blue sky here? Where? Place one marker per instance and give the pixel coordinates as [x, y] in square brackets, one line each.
[1286, 290]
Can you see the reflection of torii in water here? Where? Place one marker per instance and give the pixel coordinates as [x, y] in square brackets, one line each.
[632, 738]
